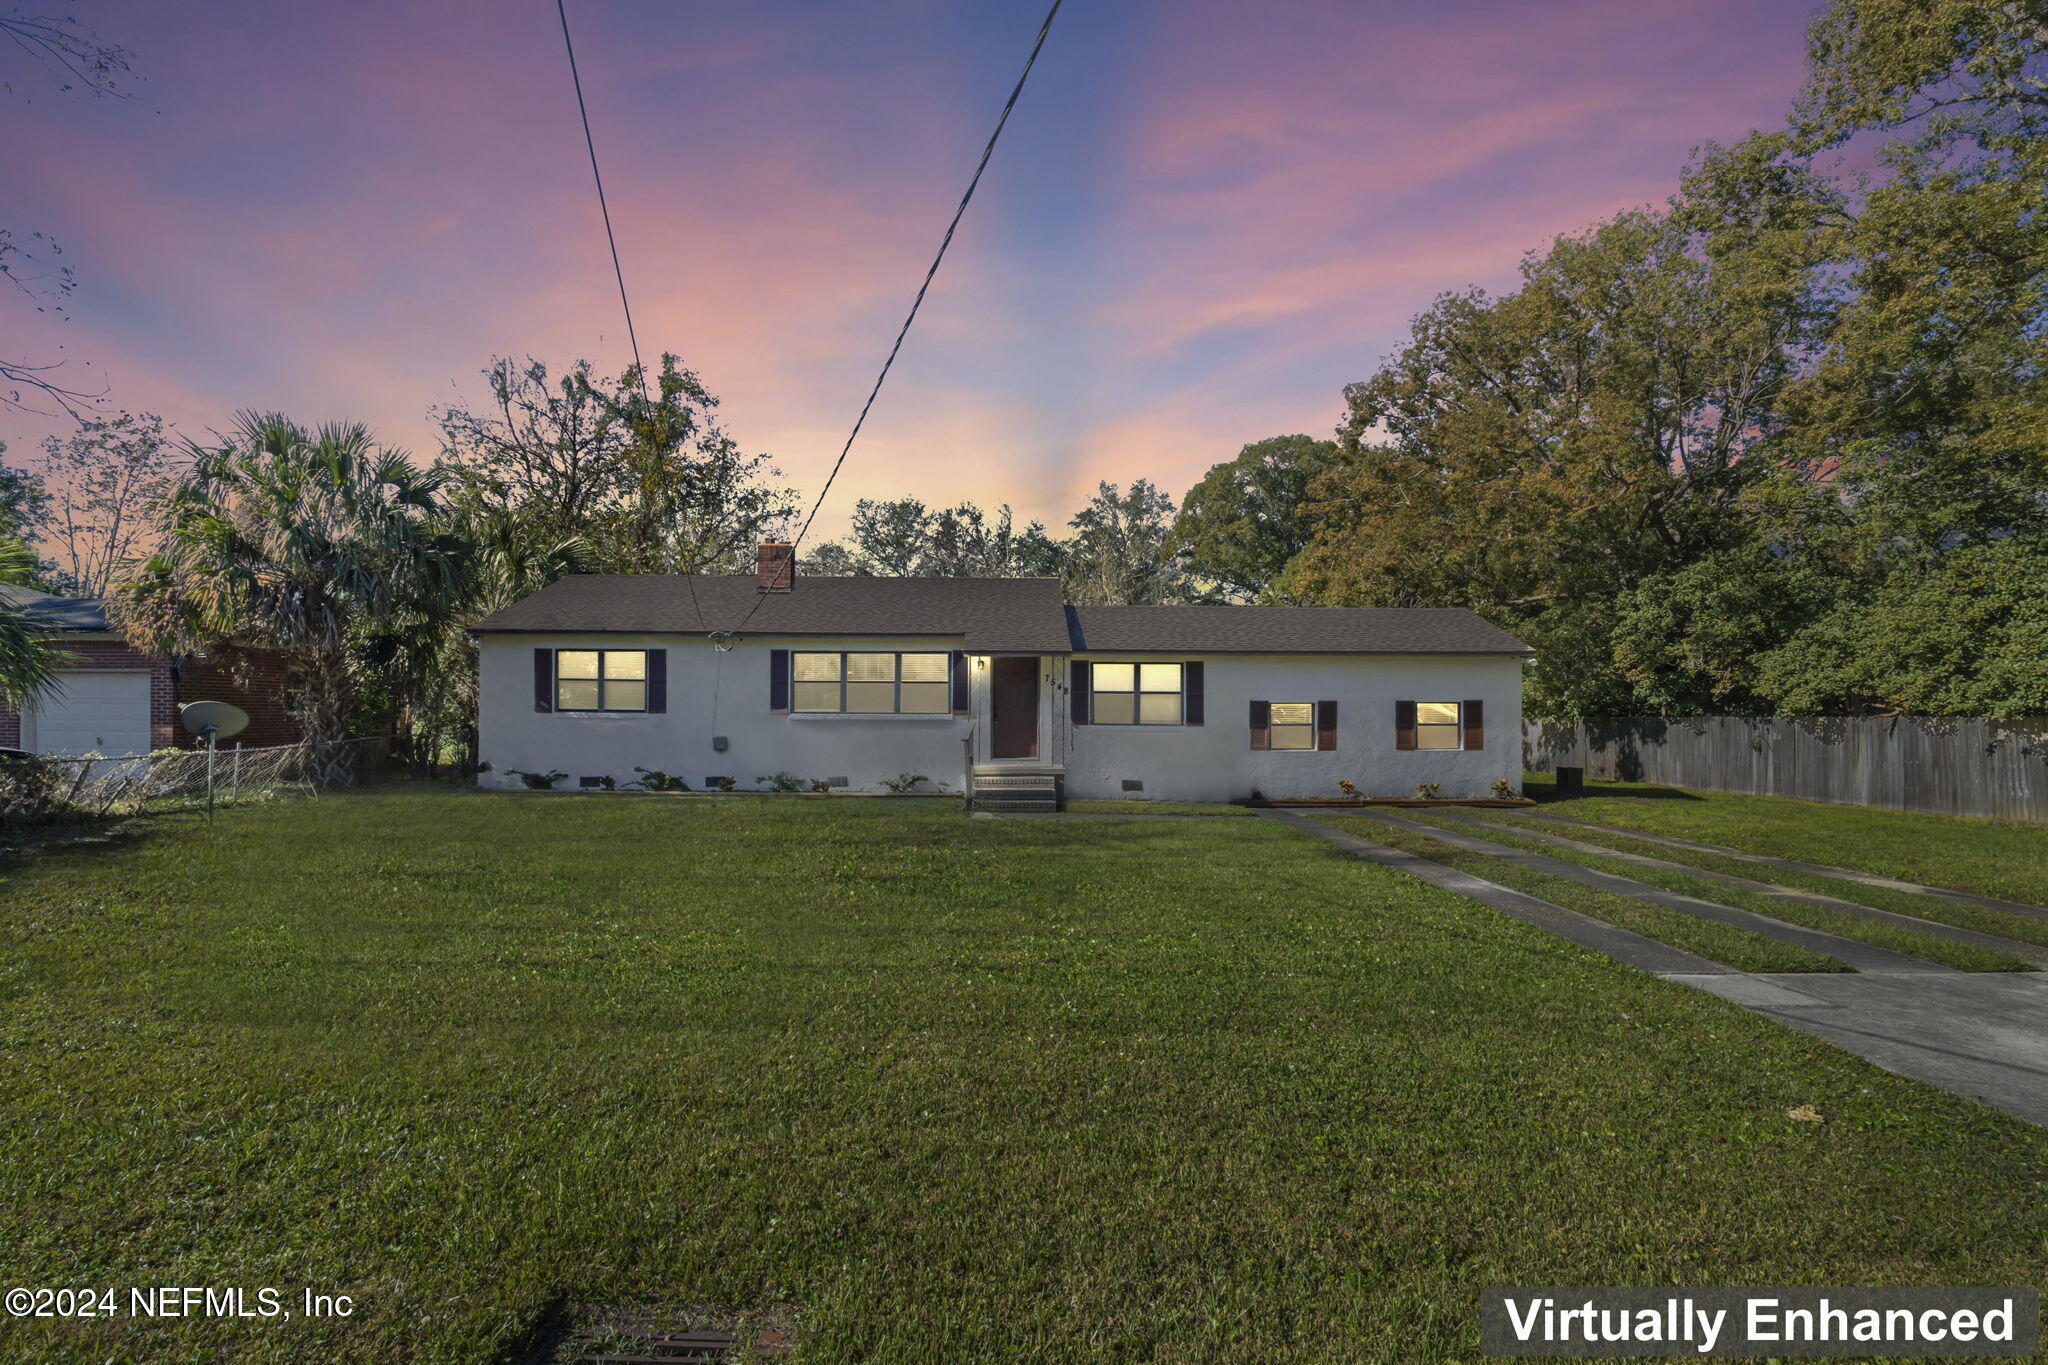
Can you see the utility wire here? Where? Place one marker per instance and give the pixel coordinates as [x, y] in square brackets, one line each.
[918, 302]
[618, 272]
[602, 207]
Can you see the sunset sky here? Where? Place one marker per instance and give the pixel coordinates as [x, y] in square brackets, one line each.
[1204, 219]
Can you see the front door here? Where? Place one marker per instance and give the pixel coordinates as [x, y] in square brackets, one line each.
[1013, 707]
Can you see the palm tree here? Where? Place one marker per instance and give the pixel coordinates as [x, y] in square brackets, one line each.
[429, 665]
[28, 651]
[297, 540]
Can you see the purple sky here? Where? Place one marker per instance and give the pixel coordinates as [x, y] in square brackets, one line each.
[1203, 221]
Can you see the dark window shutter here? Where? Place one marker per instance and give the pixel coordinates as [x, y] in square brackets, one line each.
[1262, 725]
[1194, 696]
[959, 682]
[1473, 713]
[778, 680]
[1326, 725]
[1079, 677]
[657, 681]
[543, 680]
[1404, 725]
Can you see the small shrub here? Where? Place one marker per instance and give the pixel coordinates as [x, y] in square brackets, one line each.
[1347, 786]
[655, 780]
[724, 784]
[782, 782]
[903, 784]
[1504, 790]
[539, 782]
[820, 785]
[1428, 791]
[33, 791]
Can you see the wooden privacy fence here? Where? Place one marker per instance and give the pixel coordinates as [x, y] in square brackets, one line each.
[1917, 763]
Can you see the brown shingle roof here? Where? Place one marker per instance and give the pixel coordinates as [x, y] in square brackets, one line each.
[1289, 630]
[1022, 614]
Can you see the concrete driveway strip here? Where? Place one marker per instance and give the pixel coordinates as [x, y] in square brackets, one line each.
[1816, 869]
[1864, 957]
[1979, 1034]
[1983, 1035]
[2031, 952]
[1584, 930]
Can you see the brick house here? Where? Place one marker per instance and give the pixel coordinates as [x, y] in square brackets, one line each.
[112, 698]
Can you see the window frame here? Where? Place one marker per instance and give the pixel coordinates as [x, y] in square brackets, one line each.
[602, 677]
[896, 681]
[1312, 726]
[1456, 725]
[1137, 691]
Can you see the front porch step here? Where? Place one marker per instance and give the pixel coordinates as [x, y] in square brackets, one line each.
[1014, 791]
[1001, 805]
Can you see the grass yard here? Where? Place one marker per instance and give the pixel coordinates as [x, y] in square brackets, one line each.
[1122, 807]
[930, 1089]
[1991, 857]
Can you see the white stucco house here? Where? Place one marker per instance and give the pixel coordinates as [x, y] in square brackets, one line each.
[993, 686]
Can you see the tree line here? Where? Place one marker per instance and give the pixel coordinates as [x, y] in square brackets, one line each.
[1777, 446]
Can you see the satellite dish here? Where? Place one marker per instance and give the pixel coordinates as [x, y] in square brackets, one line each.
[213, 719]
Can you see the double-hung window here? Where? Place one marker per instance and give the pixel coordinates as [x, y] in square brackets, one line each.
[1137, 694]
[1439, 725]
[1293, 725]
[600, 680]
[873, 684]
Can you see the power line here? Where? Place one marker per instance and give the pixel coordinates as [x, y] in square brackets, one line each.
[602, 207]
[918, 302]
[618, 272]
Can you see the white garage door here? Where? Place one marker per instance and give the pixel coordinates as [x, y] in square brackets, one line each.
[93, 711]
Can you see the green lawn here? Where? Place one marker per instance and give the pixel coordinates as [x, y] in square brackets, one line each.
[933, 1089]
[1990, 857]
[1122, 807]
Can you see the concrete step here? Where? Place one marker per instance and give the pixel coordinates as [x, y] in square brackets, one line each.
[995, 804]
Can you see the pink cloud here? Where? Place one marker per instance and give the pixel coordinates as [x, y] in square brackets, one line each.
[1197, 229]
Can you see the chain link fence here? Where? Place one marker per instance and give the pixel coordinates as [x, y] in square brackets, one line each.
[41, 789]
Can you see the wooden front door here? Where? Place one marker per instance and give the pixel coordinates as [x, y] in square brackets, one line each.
[1013, 707]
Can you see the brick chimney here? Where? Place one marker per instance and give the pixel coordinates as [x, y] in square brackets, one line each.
[775, 566]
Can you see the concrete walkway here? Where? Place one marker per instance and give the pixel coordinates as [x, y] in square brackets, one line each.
[1983, 1035]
